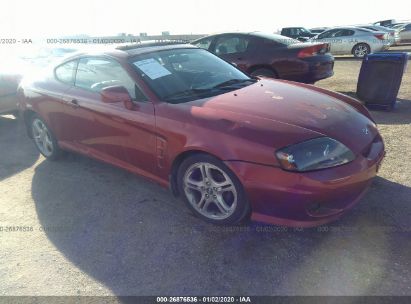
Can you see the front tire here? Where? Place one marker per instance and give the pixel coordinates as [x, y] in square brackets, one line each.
[360, 50]
[44, 139]
[211, 190]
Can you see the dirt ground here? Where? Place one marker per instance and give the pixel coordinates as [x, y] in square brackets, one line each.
[80, 227]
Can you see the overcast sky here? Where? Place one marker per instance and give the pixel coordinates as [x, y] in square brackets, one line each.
[50, 18]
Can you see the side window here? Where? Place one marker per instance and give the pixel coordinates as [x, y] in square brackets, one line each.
[204, 43]
[408, 27]
[296, 31]
[65, 72]
[326, 34]
[95, 74]
[231, 45]
[344, 33]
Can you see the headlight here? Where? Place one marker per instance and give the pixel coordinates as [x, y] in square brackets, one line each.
[314, 154]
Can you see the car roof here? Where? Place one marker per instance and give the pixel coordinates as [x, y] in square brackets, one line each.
[353, 28]
[131, 50]
[230, 33]
[379, 27]
[253, 33]
[344, 28]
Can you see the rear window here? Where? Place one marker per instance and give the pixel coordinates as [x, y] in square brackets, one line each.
[277, 39]
[364, 30]
[369, 28]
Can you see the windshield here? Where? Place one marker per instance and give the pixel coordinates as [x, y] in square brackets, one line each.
[305, 31]
[181, 75]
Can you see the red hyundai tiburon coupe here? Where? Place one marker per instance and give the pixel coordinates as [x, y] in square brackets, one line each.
[231, 146]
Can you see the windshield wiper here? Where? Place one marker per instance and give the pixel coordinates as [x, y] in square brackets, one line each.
[185, 93]
[229, 83]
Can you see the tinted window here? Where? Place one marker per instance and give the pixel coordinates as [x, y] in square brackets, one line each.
[95, 74]
[343, 33]
[204, 43]
[327, 34]
[304, 31]
[65, 72]
[294, 31]
[231, 45]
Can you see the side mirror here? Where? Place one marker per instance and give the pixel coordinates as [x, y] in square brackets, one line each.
[114, 94]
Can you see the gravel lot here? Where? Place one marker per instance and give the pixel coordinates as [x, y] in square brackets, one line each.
[91, 229]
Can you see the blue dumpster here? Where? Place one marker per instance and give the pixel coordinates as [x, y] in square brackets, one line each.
[380, 79]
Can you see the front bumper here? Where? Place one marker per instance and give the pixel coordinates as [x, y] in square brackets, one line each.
[305, 199]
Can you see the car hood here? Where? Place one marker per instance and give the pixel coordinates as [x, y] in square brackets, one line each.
[296, 105]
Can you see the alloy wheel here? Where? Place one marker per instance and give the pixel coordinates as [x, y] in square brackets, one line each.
[42, 137]
[210, 191]
[361, 50]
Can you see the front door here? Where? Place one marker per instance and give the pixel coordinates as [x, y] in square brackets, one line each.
[110, 131]
[233, 48]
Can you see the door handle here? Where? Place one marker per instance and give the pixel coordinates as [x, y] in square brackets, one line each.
[74, 102]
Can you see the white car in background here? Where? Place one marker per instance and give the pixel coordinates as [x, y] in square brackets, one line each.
[16, 64]
[393, 34]
[405, 33]
[353, 41]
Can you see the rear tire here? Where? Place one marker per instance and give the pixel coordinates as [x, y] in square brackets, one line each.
[211, 190]
[44, 139]
[264, 72]
[360, 50]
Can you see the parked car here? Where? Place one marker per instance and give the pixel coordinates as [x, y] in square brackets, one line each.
[42, 57]
[227, 144]
[405, 33]
[353, 40]
[299, 33]
[11, 72]
[270, 55]
[318, 30]
[396, 25]
[387, 22]
[14, 66]
[8, 93]
[393, 34]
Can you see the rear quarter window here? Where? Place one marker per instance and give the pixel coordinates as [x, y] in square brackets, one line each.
[65, 72]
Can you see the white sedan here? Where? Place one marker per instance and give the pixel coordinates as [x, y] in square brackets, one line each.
[353, 41]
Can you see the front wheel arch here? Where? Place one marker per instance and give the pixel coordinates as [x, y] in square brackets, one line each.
[27, 117]
[178, 160]
[243, 210]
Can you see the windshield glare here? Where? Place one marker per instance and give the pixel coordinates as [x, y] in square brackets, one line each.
[180, 75]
